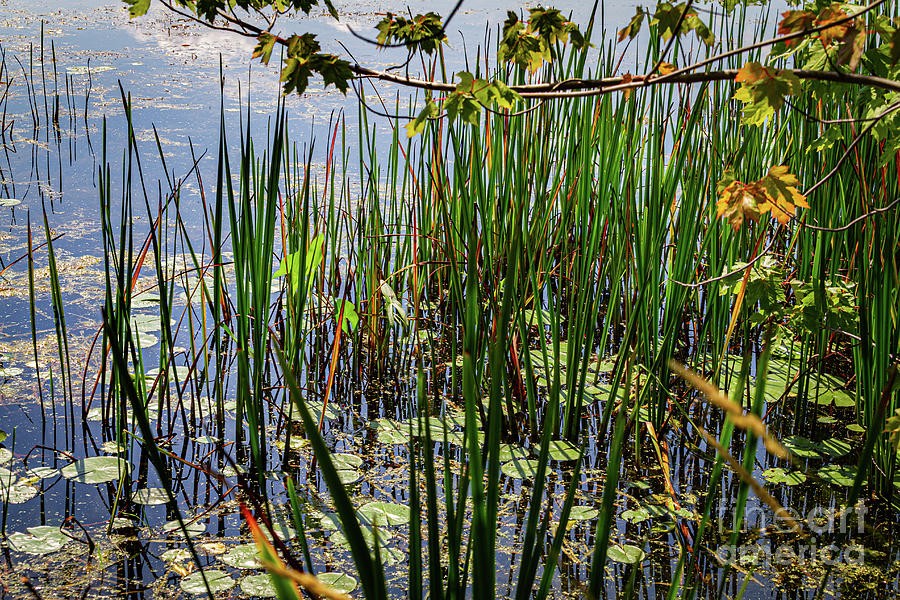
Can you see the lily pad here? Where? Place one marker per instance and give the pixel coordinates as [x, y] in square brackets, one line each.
[835, 447]
[627, 554]
[510, 452]
[636, 515]
[245, 556]
[43, 539]
[779, 475]
[218, 581]
[176, 555]
[385, 514]
[9, 202]
[520, 469]
[95, 469]
[339, 582]
[838, 475]
[564, 451]
[315, 408]
[349, 476]
[259, 585]
[346, 461]
[42, 472]
[802, 447]
[151, 496]
[583, 513]
[18, 493]
[193, 529]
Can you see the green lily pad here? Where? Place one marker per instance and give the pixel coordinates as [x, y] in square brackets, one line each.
[839, 398]
[112, 447]
[856, 428]
[346, 461]
[835, 447]
[9, 202]
[510, 452]
[583, 513]
[838, 475]
[779, 475]
[42, 472]
[636, 515]
[151, 496]
[43, 539]
[385, 514]
[349, 476]
[520, 469]
[627, 554]
[176, 555]
[259, 585]
[193, 529]
[218, 581]
[339, 582]
[368, 534]
[564, 451]
[18, 493]
[802, 447]
[245, 556]
[315, 408]
[95, 469]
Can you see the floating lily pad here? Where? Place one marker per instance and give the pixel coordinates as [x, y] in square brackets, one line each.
[18, 493]
[245, 556]
[315, 408]
[779, 475]
[9, 202]
[112, 447]
[339, 582]
[385, 514]
[368, 534]
[151, 496]
[510, 452]
[627, 554]
[95, 469]
[259, 585]
[856, 428]
[42, 472]
[802, 447]
[524, 468]
[839, 398]
[583, 513]
[6, 372]
[838, 475]
[218, 581]
[835, 447]
[43, 539]
[346, 461]
[193, 529]
[636, 515]
[349, 476]
[564, 451]
[176, 555]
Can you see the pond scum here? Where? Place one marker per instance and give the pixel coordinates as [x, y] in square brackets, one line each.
[451, 366]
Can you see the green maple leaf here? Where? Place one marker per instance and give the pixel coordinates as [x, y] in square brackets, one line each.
[763, 91]
[417, 125]
[264, 47]
[634, 26]
[137, 8]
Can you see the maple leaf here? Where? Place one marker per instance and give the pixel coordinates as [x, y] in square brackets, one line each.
[794, 21]
[781, 194]
[736, 202]
[634, 26]
[776, 193]
[763, 91]
[832, 14]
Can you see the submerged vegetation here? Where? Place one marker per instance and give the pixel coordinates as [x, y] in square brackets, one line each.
[619, 337]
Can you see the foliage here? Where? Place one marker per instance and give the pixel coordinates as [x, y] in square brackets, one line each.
[776, 193]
